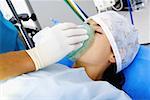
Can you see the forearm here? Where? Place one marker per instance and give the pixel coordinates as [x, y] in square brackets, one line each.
[15, 63]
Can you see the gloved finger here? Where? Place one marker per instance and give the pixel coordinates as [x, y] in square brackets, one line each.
[64, 26]
[38, 36]
[77, 39]
[76, 46]
[75, 32]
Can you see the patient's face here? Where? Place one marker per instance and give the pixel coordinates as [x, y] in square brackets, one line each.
[99, 52]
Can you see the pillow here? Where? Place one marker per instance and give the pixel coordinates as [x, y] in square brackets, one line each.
[137, 74]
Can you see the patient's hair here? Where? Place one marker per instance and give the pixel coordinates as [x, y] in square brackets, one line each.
[116, 79]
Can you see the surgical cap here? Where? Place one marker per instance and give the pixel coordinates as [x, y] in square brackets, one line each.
[122, 35]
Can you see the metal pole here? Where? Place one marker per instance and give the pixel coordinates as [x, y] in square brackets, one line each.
[21, 28]
[32, 11]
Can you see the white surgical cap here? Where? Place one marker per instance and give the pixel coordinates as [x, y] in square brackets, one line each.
[122, 36]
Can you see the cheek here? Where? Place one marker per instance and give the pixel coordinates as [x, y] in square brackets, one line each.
[98, 52]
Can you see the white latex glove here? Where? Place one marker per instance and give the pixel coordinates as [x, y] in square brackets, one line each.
[53, 44]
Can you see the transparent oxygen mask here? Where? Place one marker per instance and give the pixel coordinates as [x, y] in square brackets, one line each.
[73, 56]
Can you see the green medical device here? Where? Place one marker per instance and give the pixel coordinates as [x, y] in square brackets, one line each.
[73, 56]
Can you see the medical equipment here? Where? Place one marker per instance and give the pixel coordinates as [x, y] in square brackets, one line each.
[25, 18]
[118, 5]
[78, 11]
[138, 4]
[130, 11]
[103, 5]
[123, 5]
[33, 15]
[22, 30]
[73, 56]
[121, 35]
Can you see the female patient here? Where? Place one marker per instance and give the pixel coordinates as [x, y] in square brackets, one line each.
[113, 48]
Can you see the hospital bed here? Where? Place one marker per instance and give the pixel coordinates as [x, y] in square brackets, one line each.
[137, 83]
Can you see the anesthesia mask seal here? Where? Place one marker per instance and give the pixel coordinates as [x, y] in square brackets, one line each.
[73, 56]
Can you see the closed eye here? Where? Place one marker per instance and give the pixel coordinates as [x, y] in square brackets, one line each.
[98, 25]
[97, 32]
[88, 23]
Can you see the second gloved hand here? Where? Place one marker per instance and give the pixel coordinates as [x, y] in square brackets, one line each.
[52, 44]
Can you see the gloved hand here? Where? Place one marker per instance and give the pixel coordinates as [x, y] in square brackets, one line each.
[52, 44]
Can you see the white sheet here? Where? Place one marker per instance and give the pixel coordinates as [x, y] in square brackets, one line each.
[57, 82]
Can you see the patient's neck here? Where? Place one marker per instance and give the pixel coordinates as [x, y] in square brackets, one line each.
[95, 72]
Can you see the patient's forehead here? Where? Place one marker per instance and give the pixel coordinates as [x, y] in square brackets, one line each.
[92, 22]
